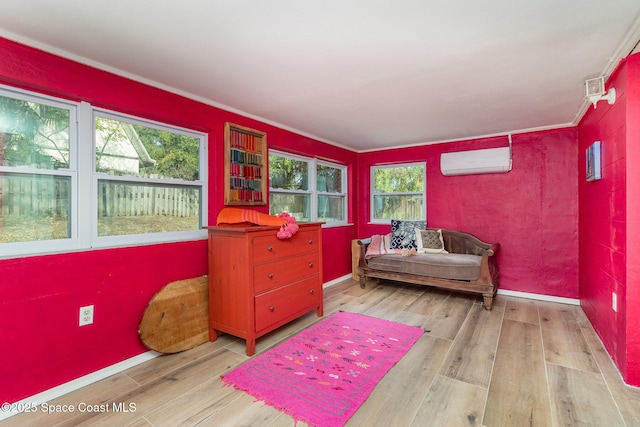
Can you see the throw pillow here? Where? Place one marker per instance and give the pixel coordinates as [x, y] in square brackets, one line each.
[430, 241]
[403, 233]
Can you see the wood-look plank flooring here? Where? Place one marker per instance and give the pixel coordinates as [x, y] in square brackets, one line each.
[525, 363]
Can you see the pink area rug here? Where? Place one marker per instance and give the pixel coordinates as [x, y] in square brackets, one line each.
[322, 375]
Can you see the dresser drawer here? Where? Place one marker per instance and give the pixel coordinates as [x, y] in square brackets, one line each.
[270, 248]
[281, 303]
[278, 273]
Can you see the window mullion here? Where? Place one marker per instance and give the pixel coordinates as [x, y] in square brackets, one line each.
[313, 180]
[82, 159]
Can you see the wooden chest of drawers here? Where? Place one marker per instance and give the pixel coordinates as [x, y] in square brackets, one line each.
[258, 282]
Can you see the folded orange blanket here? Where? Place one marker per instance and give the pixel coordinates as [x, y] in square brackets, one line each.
[240, 216]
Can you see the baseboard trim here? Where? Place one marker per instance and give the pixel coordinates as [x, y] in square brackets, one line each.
[78, 383]
[539, 297]
[336, 281]
[518, 294]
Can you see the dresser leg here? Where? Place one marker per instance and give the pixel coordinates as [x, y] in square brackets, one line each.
[320, 311]
[251, 347]
[213, 335]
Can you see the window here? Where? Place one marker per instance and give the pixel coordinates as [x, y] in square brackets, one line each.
[309, 189]
[36, 170]
[398, 192]
[330, 192]
[148, 177]
[74, 177]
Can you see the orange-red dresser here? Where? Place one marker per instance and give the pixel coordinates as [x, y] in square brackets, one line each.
[258, 282]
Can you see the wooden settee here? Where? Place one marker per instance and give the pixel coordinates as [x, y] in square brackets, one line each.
[469, 266]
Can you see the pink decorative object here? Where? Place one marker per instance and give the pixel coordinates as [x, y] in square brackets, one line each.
[289, 228]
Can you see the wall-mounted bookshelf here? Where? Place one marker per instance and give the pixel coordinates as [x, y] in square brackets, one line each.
[245, 166]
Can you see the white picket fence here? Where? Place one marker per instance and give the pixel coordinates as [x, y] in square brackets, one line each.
[28, 197]
[147, 200]
[49, 197]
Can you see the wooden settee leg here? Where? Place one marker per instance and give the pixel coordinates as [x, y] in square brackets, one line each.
[488, 301]
[363, 280]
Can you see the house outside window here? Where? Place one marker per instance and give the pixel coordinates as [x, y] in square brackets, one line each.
[74, 177]
[308, 189]
[398, 192]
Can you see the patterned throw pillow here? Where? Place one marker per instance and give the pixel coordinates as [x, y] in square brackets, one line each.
[403, 233]
[430, 241]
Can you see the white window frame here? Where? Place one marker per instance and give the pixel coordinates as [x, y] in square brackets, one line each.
[84, 182]
[374, 193]
[10, 249]
[132, 239]
[312, 190]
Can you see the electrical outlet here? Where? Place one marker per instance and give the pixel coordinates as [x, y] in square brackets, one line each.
[614, 302]
[86, 315]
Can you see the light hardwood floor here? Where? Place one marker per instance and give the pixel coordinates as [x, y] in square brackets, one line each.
[525, 363]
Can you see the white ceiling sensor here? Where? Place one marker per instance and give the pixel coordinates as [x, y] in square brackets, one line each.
[594, 91]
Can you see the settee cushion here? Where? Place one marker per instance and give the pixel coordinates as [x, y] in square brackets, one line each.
[444, 266]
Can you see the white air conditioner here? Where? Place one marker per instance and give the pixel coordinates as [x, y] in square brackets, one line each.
[489, 160]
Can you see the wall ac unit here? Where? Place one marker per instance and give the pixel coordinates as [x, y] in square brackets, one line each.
[489, 160]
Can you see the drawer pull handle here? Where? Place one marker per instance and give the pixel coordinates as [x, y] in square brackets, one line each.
[271, 276]
[310, 264]
[311, 291]
[270, 248]
[311, 241]
[272, 308]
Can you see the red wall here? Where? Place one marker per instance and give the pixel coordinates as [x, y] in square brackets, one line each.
[609, 221]
[42, 345]
[633, 222]
[603, 217]
[532, 211]
[41, 295]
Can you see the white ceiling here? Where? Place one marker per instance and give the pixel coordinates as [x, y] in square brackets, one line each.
[362, 74]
